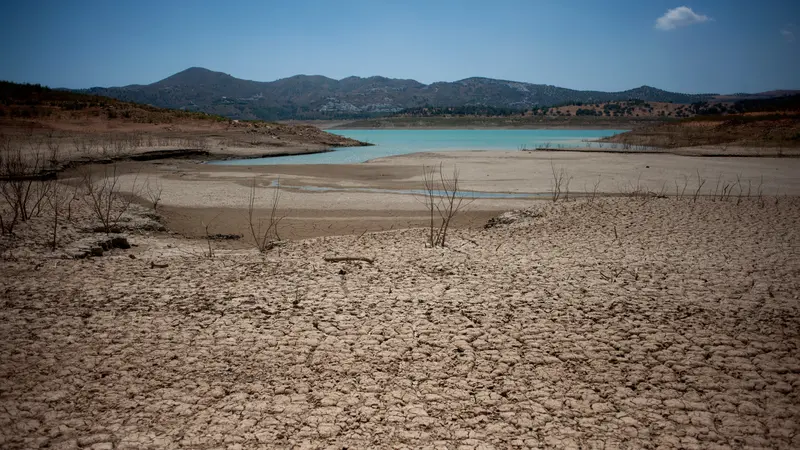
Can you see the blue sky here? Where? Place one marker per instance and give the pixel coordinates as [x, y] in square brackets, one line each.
[720, 46]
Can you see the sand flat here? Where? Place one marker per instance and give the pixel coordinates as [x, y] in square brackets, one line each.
[501, 171]
[195, 194]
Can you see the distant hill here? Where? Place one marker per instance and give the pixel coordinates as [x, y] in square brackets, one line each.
[318, 97]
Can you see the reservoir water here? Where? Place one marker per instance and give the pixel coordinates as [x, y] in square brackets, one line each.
[401, 142]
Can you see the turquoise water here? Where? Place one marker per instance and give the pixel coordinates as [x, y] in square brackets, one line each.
[401, 142]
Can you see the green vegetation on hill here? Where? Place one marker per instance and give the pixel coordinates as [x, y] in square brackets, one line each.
[516, 121]
[623, 114]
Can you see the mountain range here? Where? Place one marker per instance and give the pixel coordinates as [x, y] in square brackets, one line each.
[319, 97]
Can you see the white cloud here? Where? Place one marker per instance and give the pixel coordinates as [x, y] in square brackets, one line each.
[788, 34]
[681, 16]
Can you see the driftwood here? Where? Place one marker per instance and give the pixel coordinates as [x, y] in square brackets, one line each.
[348, 258]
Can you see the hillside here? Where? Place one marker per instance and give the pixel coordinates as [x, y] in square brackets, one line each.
[638, 115]
[318, 97]
[88, 124]
[36, 102]
[626, 114]
[624, 108]
[757, 131]
[753, 123]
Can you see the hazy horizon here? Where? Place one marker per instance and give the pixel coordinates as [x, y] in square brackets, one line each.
[707, 46]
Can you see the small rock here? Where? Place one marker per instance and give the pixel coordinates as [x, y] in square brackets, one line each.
[120, 242]
[96, 251]
[132, 256]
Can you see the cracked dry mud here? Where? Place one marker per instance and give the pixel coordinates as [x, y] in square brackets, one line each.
[616, 324]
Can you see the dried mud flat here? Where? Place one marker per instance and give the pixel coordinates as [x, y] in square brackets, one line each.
[620, 323]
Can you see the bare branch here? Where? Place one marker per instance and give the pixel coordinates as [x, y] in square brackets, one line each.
[265, 237]
[443, 201]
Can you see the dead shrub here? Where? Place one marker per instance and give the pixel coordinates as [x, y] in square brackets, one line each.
[700, 182]
[561, 180]
[443, 201]
[23, 183]
[264, 230]
[153, 190]
[104, 195]
[59, 197]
